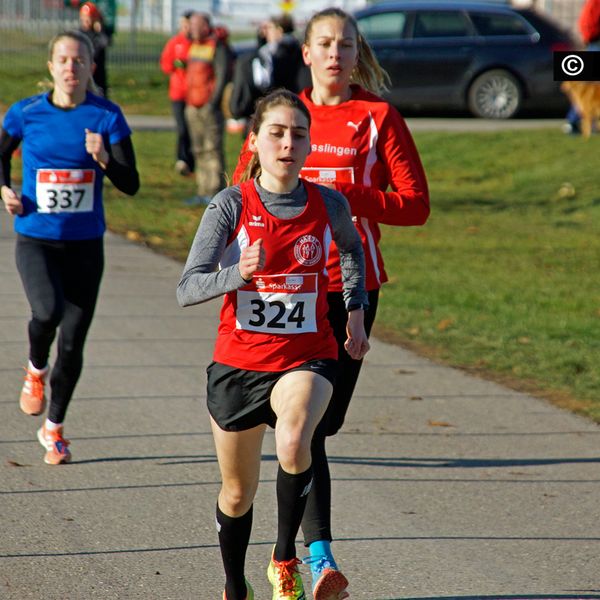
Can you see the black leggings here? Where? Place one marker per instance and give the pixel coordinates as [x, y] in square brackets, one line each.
[184, 144]
[316, 524]
[61, 281]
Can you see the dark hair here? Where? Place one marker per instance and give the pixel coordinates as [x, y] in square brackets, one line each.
[285, 21]
[206, 16]
[368, 72]
[279, 97]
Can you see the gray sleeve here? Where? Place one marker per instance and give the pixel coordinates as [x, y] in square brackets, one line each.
[201, 280]
[347, 240]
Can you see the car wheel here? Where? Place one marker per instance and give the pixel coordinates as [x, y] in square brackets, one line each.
[495, 94]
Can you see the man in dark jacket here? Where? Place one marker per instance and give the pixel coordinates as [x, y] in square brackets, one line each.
[276, 62]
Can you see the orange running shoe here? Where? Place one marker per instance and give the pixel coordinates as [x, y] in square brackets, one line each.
[57, 447]
[33, 399]
[328, 581]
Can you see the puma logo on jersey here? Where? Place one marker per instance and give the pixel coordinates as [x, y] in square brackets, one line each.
[256, 221]
[355, 125]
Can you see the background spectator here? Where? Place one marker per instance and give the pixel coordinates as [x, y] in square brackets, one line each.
[276, 62]
[245, 90]
[207, 69]
[589, 29]
[173, 61]
[91, 24]
[289, 70]
[281, 62]
[108, 10]
[589, 24]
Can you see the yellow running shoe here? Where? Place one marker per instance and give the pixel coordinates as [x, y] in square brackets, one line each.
[285, 579]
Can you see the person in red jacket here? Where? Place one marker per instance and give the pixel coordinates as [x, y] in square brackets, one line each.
[173, 62]
[589, 30]
[589, 24]
[361, 146]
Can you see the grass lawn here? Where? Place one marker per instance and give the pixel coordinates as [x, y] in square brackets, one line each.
[503, 279]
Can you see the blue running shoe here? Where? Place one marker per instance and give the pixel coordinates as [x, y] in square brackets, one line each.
[328, 581]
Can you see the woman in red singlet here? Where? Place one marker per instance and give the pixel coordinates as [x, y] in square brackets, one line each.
[275, 354]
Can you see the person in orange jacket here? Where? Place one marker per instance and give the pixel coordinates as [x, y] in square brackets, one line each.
[208, 69]
[173, 60]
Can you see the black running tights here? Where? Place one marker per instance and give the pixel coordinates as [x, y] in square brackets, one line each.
[316, 523]
[61, 281]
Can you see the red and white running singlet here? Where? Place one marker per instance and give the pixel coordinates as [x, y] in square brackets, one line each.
[279, 320]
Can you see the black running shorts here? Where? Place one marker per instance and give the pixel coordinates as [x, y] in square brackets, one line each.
[238, 399]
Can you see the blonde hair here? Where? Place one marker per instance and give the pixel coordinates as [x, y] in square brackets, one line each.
[84, 41]
[368, 73]
[279, 97]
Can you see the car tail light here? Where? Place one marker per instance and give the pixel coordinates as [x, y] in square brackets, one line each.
[562, 47]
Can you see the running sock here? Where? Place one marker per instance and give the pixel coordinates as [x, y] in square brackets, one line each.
[316, 521]
[321, 548]
[292, 492]
[234, 535]
[50, 426]
[31, 367]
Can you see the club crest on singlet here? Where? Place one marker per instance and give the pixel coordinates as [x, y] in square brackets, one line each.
[308, 250]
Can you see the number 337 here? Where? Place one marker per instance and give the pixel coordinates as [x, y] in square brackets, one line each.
[64, 198]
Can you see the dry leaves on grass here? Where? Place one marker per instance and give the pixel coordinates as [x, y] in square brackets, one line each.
[433, 423]
[445, 324]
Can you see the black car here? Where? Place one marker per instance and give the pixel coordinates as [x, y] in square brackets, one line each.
[493, 60]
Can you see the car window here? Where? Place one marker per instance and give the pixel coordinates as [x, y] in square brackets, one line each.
[383, 26]
[432, 24]
[488, 24]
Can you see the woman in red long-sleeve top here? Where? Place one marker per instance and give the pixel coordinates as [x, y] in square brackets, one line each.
[361, 146]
